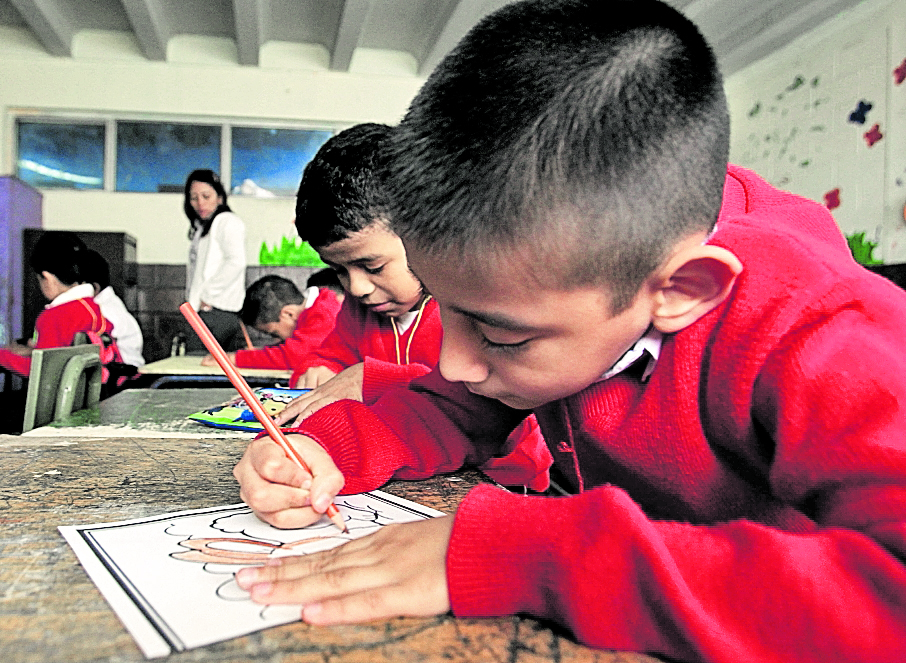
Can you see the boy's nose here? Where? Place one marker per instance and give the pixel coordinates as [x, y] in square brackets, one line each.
[458, 362]
[359, 285]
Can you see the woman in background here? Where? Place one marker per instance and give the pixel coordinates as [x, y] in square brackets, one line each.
[215, 278]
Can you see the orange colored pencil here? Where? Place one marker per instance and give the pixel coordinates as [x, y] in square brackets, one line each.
[245, 391]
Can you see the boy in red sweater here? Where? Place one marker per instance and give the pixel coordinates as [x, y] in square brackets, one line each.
[388, 331]
[692, 341]
[299, 320]
[59, 260]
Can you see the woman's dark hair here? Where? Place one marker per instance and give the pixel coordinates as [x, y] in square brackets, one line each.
[62, 254]
[208, 177]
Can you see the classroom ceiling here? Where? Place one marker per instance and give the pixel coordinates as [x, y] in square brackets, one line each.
[741, 31]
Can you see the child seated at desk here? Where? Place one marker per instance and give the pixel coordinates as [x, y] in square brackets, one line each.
[301, 320]
[692, 340]
[388, 330]
[126, 331]
[59, 260]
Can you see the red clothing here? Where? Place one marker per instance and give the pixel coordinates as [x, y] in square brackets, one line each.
[57, 326]
[747, 503]
[390, 361]
[312, 327]
[363, 336]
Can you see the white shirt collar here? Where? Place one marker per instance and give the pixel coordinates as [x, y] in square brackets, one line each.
[649, 344]
[80, 291]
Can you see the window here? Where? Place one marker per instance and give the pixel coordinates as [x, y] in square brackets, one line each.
[158, 156]
[52, 154]
[269, 162]
[132, 155]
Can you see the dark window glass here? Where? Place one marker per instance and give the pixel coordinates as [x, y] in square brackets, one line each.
[158, 156]
[270, 161]
[69, 156]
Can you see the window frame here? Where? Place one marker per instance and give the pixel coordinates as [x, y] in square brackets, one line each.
[109, 120]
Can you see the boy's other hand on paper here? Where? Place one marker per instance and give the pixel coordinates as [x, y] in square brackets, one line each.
[208, 360]
[314, 377]
[400, 570]
[346, 384]
[278, 491]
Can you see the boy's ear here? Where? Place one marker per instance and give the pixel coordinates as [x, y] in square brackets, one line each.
[693, 282]
[291, 311]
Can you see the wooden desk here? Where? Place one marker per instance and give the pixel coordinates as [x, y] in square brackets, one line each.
[145, 413]
[50, 610]
[189, 366]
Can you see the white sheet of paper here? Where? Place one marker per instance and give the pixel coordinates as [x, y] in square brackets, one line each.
[171, 578]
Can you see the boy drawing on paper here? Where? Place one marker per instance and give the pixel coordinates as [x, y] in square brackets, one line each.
[301, 320]
[561, 186]
[388, 331]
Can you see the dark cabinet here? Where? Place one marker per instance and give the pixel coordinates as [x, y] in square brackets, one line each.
[118, 249]
[20, 208]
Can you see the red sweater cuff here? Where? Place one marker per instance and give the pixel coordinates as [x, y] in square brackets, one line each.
[381, 376]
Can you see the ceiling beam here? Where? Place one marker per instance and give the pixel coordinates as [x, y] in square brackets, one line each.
[46, 20]
[778, 32]
[148, 21]
[464, 15]
[249, 18]
[349, 31]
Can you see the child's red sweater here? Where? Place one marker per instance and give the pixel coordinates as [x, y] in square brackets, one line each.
[57, 326]
[312, 327]
[393, 361]
[746, 504]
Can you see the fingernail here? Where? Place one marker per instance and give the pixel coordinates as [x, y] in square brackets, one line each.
[311, 612]
[262, 590]
[245, 578]
[306, 485]
[322, 503]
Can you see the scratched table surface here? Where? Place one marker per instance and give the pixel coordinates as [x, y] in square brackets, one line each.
[50, 610]
[145, 413]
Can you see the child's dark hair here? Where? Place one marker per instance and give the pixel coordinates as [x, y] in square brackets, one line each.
[208, 177]
[325, 278]
[266, 297]
[62, 254]
[340, 192]
[97, 270]
[578, 138]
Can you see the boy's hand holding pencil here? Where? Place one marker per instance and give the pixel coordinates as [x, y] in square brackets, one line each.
[278, 490]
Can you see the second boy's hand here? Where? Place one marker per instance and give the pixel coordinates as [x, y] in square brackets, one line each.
[346, 384]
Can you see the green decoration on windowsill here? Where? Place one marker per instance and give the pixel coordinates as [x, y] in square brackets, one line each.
[292, 252]
[862, 249]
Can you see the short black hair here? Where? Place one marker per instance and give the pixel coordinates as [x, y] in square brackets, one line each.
[266, 297]
[340, 193]
[325, 278]
[62, 254]
[97, 270]
[582, 139]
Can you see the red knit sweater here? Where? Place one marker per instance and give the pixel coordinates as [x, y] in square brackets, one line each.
[748, 503]
[391, 362]
[312, 327]
[57, 326]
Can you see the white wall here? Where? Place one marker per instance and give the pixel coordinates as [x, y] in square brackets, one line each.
[200, 80]
[790, 120]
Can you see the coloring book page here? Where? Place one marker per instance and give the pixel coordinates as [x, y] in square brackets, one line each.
[171, 578]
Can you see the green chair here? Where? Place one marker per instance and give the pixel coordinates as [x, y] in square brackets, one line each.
[61, 380]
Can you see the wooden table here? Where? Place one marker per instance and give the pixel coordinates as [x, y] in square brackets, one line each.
[186, 368]
[50, 610]
[145, 413]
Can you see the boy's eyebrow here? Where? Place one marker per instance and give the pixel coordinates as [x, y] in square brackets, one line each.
[494, 320]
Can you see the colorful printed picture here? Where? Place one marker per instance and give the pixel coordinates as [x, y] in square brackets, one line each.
[237, 415]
